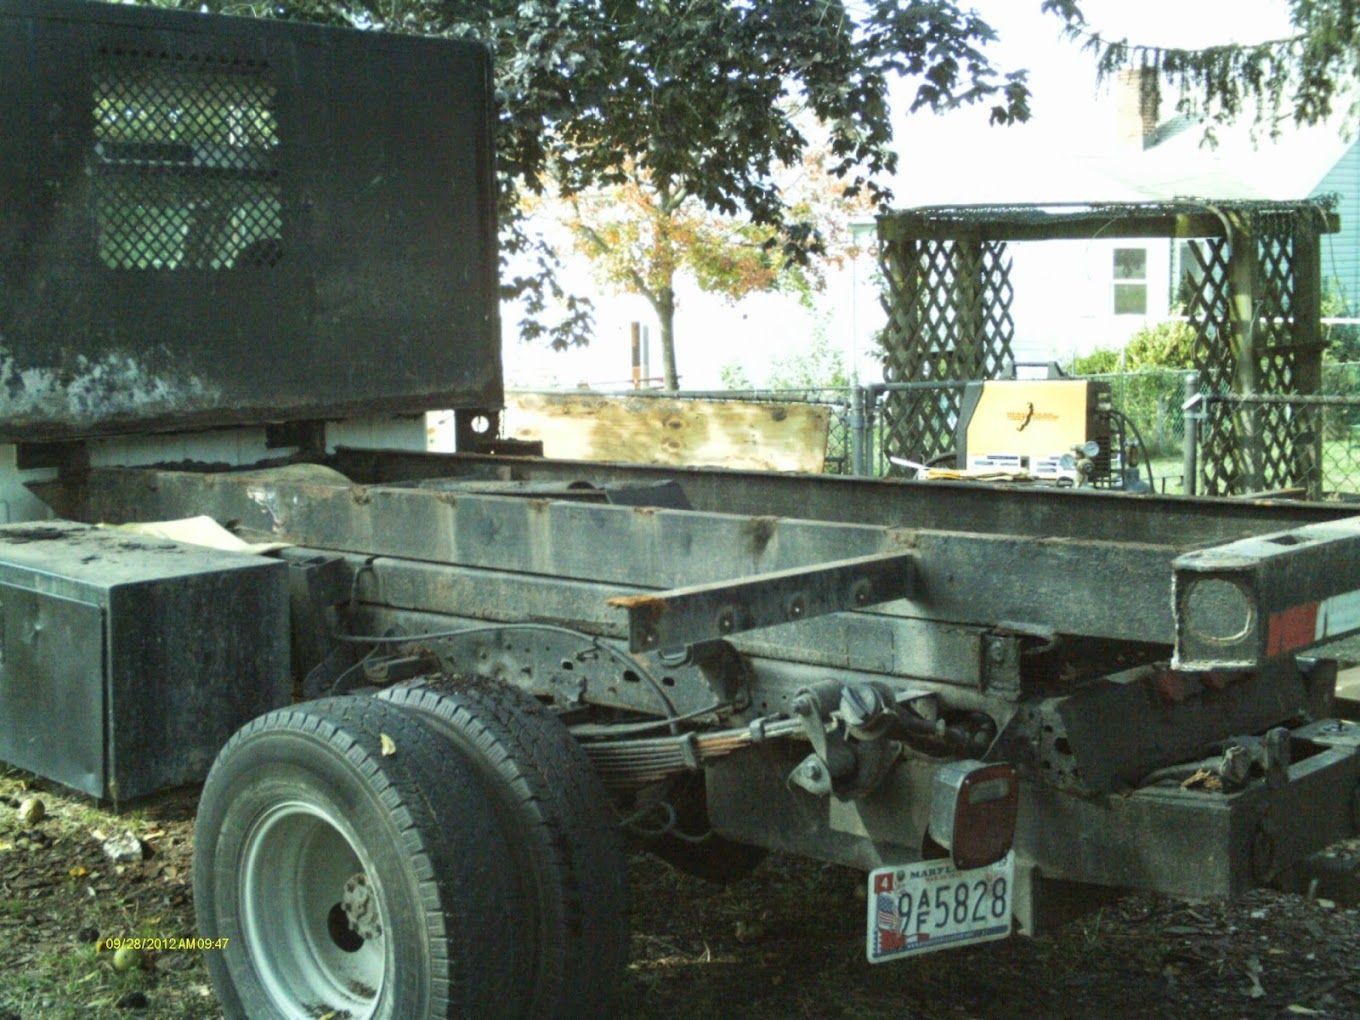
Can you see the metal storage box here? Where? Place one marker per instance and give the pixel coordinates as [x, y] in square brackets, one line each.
[126, 662]
[219, 221]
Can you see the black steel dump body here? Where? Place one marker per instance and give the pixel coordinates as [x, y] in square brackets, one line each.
[215, 221]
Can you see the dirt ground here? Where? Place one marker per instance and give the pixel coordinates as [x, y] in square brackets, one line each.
[786, 942]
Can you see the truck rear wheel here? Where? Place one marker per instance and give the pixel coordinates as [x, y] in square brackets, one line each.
[355, 868]
[565, 846]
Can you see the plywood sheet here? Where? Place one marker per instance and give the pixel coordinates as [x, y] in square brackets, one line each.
[651, 430]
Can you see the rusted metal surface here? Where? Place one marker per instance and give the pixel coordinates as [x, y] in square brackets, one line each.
[1040, 511]
[215, 221]
[1244, 603]
[1181, 842]
[860, 641]
[707, 612]
[961, 577]
[1110, 734]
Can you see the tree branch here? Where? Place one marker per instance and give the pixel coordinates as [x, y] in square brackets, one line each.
[593, 236]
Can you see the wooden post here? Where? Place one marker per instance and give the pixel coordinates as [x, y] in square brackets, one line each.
[1308, 347]
[969, 358]
[1243, 272]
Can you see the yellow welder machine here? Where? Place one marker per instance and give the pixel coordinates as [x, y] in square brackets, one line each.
[1058, 431]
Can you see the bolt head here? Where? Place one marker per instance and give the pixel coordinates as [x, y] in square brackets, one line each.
[860, 704]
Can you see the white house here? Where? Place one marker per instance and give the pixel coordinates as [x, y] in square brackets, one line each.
[1074, 296]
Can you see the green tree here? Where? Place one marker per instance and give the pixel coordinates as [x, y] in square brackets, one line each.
[640, 237]
[1342, 340]
[705, 99]
[1164, 345]
[821, 365]
[1299, 76]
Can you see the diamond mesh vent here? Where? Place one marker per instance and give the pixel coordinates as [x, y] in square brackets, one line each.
[184, 163]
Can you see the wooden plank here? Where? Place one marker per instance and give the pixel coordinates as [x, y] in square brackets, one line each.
[1062, 226]
[652, 430]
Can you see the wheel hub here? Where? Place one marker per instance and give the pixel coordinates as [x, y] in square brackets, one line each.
[311, 915]
[361, 909]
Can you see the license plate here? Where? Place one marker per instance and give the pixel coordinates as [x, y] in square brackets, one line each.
[918, 908]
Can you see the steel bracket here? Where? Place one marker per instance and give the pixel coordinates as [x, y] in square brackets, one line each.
[705, 612]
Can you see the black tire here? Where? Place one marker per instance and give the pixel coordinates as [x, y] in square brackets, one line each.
[564, 841]
[354, 793]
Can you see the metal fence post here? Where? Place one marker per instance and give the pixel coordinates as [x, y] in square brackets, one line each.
[1192, 413]
[857, 431]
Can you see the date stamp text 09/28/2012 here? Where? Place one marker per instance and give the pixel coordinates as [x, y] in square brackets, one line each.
[161, 944]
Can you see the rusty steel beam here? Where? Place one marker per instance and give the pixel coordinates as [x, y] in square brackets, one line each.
[1240, 605]
[1047, 585]
[707, 612]
[1186, 522]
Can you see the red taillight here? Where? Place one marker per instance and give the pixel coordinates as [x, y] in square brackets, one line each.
[972, 811]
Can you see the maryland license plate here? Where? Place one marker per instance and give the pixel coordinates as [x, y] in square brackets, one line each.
[929, 905]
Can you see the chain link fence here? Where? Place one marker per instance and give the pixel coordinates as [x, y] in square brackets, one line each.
[1340, 428]
[1153, 401]
[1324, 430]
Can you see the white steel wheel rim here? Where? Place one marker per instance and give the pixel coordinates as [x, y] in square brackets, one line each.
[310, 960]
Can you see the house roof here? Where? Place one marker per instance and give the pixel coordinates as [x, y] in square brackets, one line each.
[1033, 163]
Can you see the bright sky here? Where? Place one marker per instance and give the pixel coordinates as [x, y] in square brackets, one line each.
[1062, 76]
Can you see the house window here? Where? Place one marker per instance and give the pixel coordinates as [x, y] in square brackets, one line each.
[1130, 281]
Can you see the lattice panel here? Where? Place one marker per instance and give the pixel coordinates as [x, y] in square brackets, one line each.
[949, 308]
[1252, 447]
[1210, 313]
[184, 165]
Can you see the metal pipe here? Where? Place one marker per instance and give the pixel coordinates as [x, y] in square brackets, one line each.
[1190, 410]
[857, 432]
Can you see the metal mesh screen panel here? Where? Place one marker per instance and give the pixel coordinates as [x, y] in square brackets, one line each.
[184, 159]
